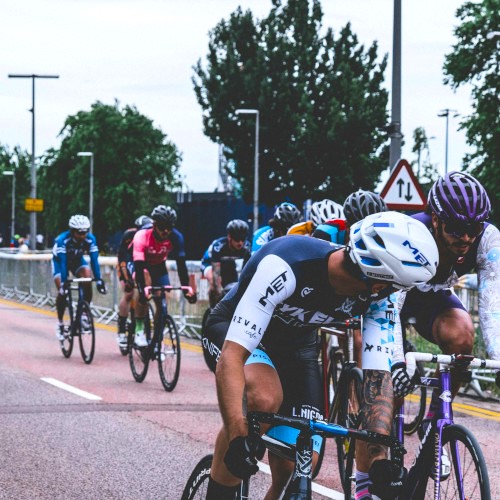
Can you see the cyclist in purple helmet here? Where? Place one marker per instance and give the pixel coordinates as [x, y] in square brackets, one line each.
[458, 207]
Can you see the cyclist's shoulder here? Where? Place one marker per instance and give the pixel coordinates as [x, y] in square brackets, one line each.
[62, 238]
[302, 228]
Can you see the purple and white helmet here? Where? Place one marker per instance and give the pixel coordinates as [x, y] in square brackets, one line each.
[459, 196]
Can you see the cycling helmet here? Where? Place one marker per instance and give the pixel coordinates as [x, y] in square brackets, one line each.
[143, 222]
[237, 229]
[390, 246]
[362, 203]
[166, 216]
[460, 197]
[79, 222]
[324, 210]
[287, 214]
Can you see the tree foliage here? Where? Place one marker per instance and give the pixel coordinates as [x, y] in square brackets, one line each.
[475, 60]
[135, 168]
[18, 161]
[321, 104]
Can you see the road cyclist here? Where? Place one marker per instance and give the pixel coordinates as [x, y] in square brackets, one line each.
[262, 336]
[321, 211]
[68, 257]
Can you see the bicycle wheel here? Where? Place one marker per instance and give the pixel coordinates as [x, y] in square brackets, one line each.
[169, 357]
[415, 403]
[334, 370]
[467, 468]
[139, 357]
[347, 406]
[67, 343]
[86, 333]
[197, 484]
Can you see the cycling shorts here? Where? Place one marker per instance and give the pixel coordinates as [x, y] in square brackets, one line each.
[426, 306]
[74, 268]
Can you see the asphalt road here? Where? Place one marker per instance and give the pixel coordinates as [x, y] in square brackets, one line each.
[129, 440]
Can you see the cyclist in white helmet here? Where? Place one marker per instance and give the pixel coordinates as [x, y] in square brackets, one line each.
[67, 256]
[262, 336]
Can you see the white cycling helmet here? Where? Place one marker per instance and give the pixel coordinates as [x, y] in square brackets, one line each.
[323, 210]
[79, 222]
[393, 247]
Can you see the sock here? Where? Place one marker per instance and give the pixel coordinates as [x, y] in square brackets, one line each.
[122, 324]
[363, 481]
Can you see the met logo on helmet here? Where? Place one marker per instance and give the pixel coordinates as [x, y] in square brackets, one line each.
[419, 256]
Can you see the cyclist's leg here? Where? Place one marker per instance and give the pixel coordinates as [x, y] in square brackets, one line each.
[159, 277]
[126, 298]
[60, 297]
[83, 271]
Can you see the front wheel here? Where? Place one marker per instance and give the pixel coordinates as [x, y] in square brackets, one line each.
[463, 469]
[197, 484]
[86, 334]
[169, 357]
[67, 343]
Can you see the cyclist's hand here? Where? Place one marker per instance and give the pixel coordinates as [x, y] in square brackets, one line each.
[402, 383]
[62, 291]
[190, 297]
[387, 479]
[242, 455]
[101, 287]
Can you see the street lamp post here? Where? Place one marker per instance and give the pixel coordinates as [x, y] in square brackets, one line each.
[33, 230]
[91, 188]
[446, 113]
[256, 166]
[13, 206]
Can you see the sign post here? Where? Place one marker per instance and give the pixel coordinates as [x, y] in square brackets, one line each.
[402, 190]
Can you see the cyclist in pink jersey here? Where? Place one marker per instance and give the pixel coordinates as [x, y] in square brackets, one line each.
[151, 247]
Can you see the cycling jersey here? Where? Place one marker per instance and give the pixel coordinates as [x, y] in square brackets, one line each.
[302, 228]
[216, 252]
[262, 236]
[484, 258]
[67, 255]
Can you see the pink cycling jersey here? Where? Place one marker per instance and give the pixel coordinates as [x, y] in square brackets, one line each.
[149, 249]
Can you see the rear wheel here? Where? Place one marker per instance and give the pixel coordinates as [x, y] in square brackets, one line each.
[138, 357]
[67, 343]
[197, 484]
[169, 357]
[86, 334]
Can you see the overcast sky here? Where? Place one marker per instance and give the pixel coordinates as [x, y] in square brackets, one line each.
[141, 52]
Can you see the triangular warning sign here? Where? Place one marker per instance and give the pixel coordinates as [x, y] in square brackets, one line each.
[402, 190]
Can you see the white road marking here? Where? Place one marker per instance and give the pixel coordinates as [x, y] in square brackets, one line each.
[70, 388]
[317, 488]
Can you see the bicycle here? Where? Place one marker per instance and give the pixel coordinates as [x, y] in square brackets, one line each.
[79, 323]
[299, 484]
[163, 346]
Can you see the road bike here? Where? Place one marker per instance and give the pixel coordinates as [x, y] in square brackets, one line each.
[78, 322]
[163, 343]
[299, 486]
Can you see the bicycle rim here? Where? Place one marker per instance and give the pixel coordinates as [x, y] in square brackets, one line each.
[86, 334]
[67, 343]
[467, 468]
[197, 484]
[169, 357]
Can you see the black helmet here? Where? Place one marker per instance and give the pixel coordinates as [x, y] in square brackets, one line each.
[143, 222]
[287, 214]
[237, 229]
[165, 216]
[362, 203]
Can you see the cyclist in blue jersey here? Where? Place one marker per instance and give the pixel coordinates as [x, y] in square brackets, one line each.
[68, 256]
[285, 216]
[458, 207]
[261, 337]
[234, 245]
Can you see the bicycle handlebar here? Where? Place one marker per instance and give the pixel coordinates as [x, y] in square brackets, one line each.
[336, 327]
[168, 288]
[79, 280]
[466, 360]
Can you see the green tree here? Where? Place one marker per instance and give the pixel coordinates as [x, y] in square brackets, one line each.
[321, 104]
[135, 168]
[18, 161]
[426, 172]
[475, 60]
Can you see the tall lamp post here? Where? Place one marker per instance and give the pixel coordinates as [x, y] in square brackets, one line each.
[256, 166]
[33, 230]
[13, 209]
[446, 113]
[91, 188]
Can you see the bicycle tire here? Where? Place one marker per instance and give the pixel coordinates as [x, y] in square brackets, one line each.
[169, 355]
[197, 484]
[472, 464]
[415, 403]
[139, 357]
[86, 333]
[349, 395]
[67, 343]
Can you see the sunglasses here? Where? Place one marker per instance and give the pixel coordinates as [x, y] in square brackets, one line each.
[81, 232]
[458, 229]
[163, 227]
